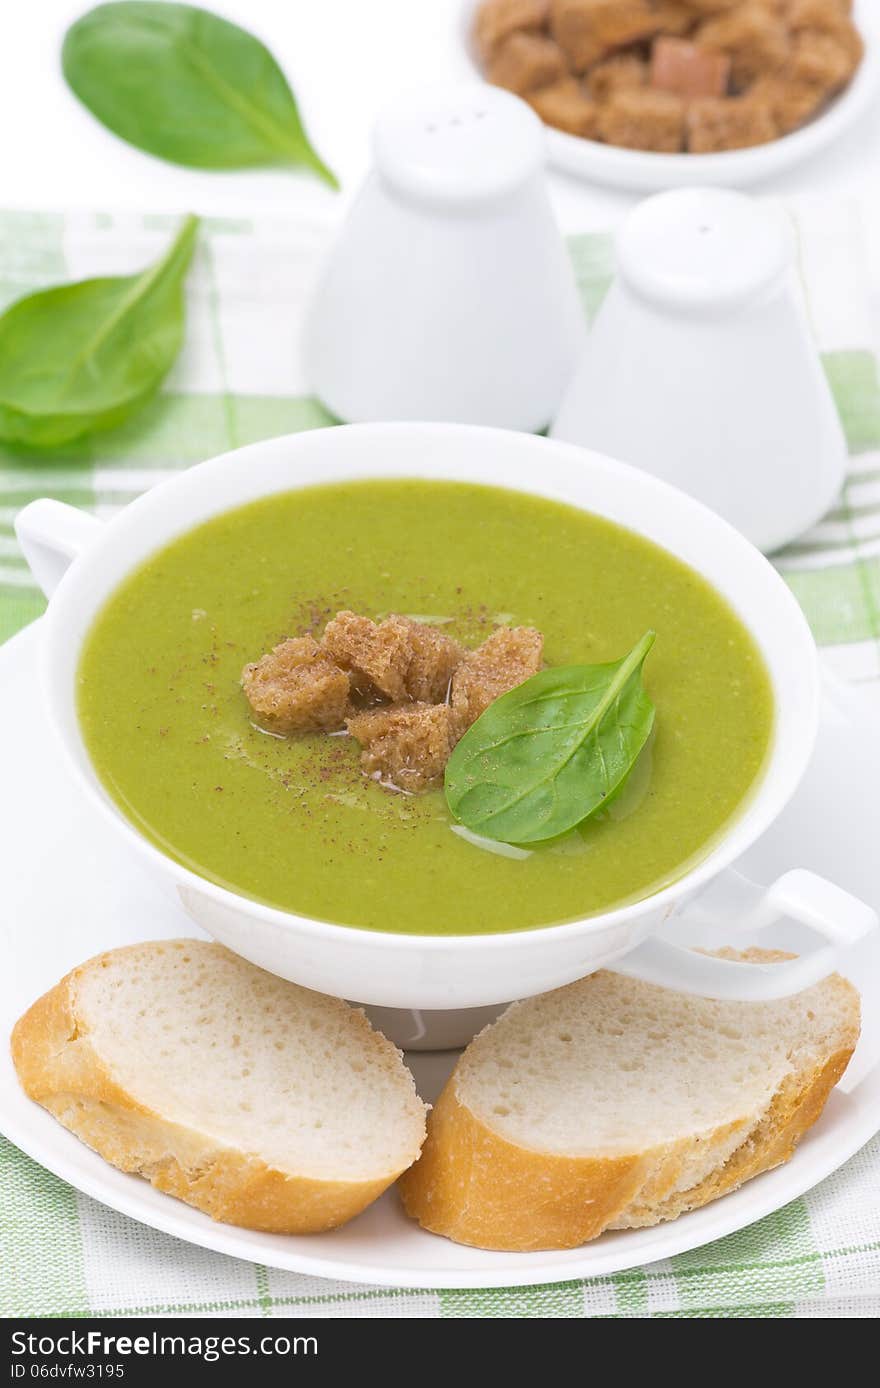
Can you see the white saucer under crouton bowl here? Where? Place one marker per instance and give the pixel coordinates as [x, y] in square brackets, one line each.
[646, 172]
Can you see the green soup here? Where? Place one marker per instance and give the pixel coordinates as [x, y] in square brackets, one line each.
[293, 822]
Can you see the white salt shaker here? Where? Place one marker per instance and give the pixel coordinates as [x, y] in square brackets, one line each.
[701, 367]
[449, 294]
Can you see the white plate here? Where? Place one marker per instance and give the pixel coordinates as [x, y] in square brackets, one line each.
[642, 171]
[71, 890]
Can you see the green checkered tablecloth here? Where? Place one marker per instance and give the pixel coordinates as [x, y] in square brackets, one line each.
[239, 379]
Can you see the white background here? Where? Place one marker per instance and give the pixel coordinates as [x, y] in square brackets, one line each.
[345, 58]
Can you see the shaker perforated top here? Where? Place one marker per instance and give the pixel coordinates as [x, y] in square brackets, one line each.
[703, 248]
[458, 144]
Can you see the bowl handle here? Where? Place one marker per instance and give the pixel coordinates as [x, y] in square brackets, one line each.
[733, 901]
[53, 534]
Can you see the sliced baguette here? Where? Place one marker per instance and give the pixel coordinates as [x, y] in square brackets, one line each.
[614, 1104]
[261, 1103]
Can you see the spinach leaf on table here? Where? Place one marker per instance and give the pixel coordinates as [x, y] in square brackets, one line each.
[551, 752]
[187, 86]
[84, 356]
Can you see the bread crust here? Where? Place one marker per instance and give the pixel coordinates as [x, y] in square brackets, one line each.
[59, 1068]
[475, 1187]
[795, 1107]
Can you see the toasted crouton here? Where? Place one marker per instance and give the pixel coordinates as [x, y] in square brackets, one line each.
[790, 103]
[642, 118]
[822, 60]
[825, 17]
[673, 16]
[405, 745]
[496, 19]
[400, 658]
[705, 7]
[588, 30]
[753, 36]
[566, 106]
[524, 62]
[715, 124]
[603, 27]
[434, 658]
[620, 72]
[295, 688]
[375, 653]
[688, 70]
[509, 656]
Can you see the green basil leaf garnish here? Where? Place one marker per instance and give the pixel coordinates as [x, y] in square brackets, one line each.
[551, 752]
[84, 356]
[187, 86]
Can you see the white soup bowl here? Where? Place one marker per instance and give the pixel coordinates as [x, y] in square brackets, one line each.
[80, 561]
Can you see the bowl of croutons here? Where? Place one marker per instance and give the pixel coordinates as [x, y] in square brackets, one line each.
[648, 94]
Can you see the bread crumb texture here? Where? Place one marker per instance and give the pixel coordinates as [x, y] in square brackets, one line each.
[295, 688]
[507, 658]
[612, 1103]
[258, 1101]
[405, 745]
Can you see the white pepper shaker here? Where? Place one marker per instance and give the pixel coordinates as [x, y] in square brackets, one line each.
[449, 294]
[701, 366]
